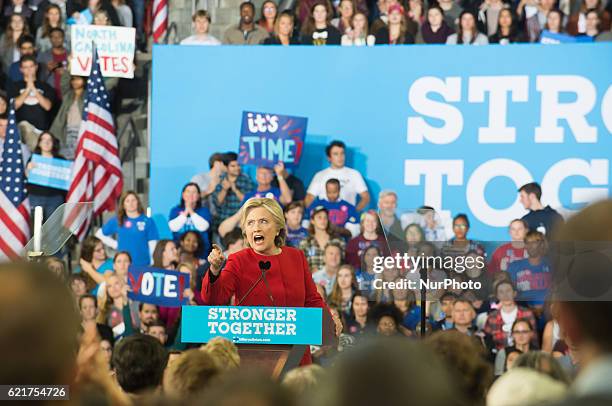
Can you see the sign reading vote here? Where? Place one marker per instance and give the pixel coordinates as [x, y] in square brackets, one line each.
[266, 139]
[253, 324]
[50, 172]
[115, 45]
[158, 286]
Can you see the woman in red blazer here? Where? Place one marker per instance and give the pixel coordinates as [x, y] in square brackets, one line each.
[287, 280]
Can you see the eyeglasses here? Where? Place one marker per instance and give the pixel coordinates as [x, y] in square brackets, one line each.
[269, 9]
[462, 226]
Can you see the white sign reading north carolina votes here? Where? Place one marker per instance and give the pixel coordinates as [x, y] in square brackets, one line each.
[115, 46]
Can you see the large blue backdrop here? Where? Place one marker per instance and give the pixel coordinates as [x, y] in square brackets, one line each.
[455, 127]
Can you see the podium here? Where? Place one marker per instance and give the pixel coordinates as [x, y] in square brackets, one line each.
[273, 339]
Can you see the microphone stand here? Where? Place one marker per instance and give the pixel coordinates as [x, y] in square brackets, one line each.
[261, 277]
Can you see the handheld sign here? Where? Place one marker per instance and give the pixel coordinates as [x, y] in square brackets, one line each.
[266, 139]
[116, 47]
[157, 286]
[252, 324]
[51, 172]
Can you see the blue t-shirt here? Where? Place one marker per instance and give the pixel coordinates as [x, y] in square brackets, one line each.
[272, 193]
[133, 236]
[295, 236]
[189, 226]
[340, 211]
[532, 281]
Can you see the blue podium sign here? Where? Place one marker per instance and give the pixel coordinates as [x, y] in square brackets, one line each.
[252, 324]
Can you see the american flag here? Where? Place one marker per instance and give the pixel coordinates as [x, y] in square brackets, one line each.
[160, 20]
[14, 204]
[96, 173]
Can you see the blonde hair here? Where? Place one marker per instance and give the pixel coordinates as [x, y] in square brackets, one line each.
[191, 372]
[223, 351]
[303, 380]
[274, 209]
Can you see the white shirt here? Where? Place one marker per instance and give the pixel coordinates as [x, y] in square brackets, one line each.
[508, 319]
[198, 40]
[351, 183]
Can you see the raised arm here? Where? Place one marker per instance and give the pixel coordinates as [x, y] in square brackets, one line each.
[219, 285]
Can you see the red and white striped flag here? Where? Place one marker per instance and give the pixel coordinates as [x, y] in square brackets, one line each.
[160, 20]
[96, 173]
[14, 203]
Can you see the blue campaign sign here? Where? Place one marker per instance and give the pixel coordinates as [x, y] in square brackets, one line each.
[51, 172]
[266, 139]
[252, 324]
[461, 130]
[157, 286]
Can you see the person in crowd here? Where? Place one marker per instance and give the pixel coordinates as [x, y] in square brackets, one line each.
[463, 315]
[351, 181]
[34, 101]
[499, 322]
[88, 307]
[542, 362]
[26, 46]
[295, 184]
[554, 21]
[157, 329]
[539, 218]
[224, 352]
[435, 30]
[101, 18]
[78, 285]
[136, 233]
[467, 31]
[9, 50]
[488, 16]
[121, 264]
[283, 31]
[522, 340]
[302, 382]
[201, 24]
[387, 207]
[507, 29]
[264, 185]
[106, 348]
[3, 103]
[344, 21]
[147, 314]
[380, 18]
[233, 241]
[405, 301]
[593, 24]
[359, 323]
[53, 19]
[431, 224]
[523, 386]
[49, 198]
[190, 215]
[230, 191]
[57, 266]
[460, 244]
[190, 374]
[511, 251]
[269, 12]
[532, 276]
[165, 255]
[93, 262]
[396, 31]
[320, 232]
[19, 7]
[371, 234]
[451, 12]
[139, 362]
[577, 21]
[332, 259]
[416, 15]
[358, 34]
[116, 310]
[191, 248]
[68, 119]
[342, 214]
[54, 61]
[464, 360]
[343, 289]
[317, 29]
[535, 16]
[552, 333]
[208, 181]
[387, 319]
[124, 12]
[246, 32]
[294, 213]
[365, 274]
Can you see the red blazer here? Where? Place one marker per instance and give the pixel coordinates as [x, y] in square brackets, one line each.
[289, 279]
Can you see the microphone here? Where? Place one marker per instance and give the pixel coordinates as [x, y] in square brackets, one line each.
[264, 266]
